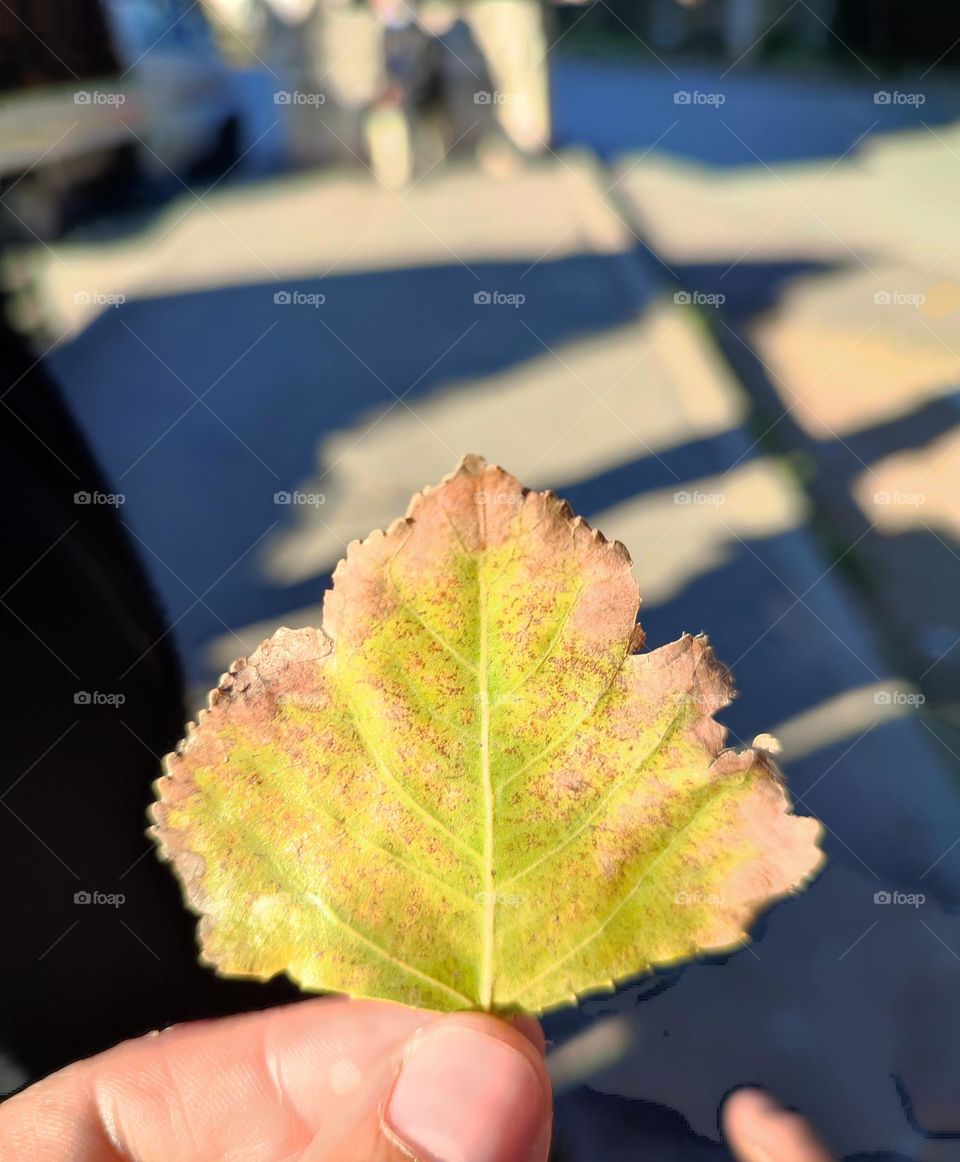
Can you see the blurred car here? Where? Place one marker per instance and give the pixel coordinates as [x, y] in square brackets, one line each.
[167, 50]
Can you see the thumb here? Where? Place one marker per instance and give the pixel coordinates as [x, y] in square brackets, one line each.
[465, 1087]
[330, 1080]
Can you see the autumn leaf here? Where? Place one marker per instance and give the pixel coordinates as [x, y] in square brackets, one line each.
[469, 789]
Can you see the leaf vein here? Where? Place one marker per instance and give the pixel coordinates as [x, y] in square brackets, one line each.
[574, 727]
[390, 778]
[608, 920]
[553, 641]
[604, 799]
[284, 877]
[324, 907]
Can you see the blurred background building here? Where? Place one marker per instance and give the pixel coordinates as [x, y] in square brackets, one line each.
[270, 266]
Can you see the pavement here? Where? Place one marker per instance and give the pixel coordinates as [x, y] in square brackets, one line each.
[291, 359]
[839, 281]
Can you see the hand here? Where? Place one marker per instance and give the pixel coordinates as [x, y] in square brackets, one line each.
[757, 1129]
[328, 1080]
[331, 1081]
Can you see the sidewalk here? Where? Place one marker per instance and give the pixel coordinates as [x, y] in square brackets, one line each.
[842, 317]
[584, 376]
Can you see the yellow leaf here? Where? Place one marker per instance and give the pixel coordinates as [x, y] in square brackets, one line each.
[469, 789]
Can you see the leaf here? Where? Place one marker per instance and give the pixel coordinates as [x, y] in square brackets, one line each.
[468, 789]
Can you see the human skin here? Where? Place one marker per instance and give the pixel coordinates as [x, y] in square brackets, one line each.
[330, 1080]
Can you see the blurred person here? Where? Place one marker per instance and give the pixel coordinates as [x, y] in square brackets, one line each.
[429, 109]
[396, 125]
[397, 86]
[440, 99]
[467, 120]
[283, 42]
[333, 1080]
[512, 35]
[330, 62]
[327, 62]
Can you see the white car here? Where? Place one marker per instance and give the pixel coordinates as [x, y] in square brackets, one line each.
[167, 51]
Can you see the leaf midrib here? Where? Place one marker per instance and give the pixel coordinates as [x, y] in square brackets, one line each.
[489, 875]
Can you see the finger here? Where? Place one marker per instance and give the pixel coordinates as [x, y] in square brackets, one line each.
[759, 1129]
[465, 1088]
[323, 1081]
[531, 1028]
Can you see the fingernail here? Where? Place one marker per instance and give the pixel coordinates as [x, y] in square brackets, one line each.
[463, 1096]
[762, 1101]
[758, 1135]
